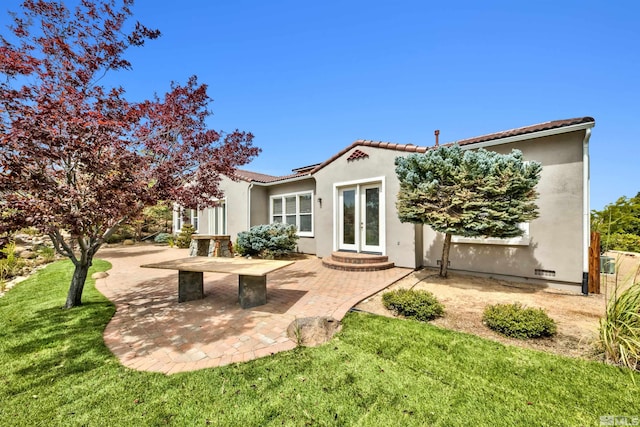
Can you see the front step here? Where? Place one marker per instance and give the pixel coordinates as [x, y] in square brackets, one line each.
[349, 261]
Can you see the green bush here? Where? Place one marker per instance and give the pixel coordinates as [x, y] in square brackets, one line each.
[415, 304]
[162, 238]
[516, 321]
[11, 265]
[48, 253]
[622, 242]
[183, 240]
[619, 335]
[267, 241]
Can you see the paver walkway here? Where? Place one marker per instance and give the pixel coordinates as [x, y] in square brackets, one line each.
[151, 331]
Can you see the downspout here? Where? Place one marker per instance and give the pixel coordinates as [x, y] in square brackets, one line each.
[586, 220]
[249, 206]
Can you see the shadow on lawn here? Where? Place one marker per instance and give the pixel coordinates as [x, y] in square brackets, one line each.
[61, 343]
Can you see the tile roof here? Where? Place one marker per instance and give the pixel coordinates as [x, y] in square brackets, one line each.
[410, 148]
[263, 178]
[556, 124]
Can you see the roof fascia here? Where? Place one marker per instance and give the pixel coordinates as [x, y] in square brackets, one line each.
[283, 181]
[532, 135]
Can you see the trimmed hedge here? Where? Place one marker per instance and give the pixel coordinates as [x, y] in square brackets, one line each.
[516, 321]
[415, 304]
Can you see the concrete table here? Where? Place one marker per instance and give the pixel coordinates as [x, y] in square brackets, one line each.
[252, 274]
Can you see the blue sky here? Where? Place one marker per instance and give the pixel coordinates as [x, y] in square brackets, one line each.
[309, 78]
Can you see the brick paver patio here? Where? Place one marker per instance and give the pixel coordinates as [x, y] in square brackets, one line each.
[151, 331]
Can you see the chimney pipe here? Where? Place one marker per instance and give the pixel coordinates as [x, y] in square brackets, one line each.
[437, 134]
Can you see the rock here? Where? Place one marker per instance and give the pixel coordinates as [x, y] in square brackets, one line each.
[100, 275]
[312, 331]
[128, 242]
[27, 254]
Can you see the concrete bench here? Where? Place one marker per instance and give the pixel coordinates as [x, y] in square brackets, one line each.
[252, 283]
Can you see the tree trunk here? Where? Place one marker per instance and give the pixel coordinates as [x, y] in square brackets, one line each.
[445, 255]
[74, 297]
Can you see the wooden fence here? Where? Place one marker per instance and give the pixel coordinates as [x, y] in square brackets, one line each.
[594, 263]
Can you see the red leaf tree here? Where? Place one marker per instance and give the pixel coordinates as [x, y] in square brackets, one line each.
[76, 157]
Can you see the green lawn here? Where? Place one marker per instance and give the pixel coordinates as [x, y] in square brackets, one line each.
[55, 370]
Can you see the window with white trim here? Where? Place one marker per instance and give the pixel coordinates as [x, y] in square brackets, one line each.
[186, 216]
[294, 208]
[218, 218]
[509, 241]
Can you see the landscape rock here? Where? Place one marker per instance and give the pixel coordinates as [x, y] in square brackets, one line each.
[27, 254]
[100, 275]
[313, 331]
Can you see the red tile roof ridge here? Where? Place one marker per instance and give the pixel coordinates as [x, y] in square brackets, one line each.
[553, 124]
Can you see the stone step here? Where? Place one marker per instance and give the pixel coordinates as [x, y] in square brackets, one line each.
[348, 266]
[358, 258]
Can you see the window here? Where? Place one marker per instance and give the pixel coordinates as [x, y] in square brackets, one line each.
[218, 219]
[512, 241]
[186, 216]
[295, 209]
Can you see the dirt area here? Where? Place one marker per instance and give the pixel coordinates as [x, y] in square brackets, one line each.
[465, 298]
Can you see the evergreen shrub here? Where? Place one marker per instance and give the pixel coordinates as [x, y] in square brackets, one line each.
[162, 238]
[183, 241]
[268, 240]
[516, 321]
[415, 304]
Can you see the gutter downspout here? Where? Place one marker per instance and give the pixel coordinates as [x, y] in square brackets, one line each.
[249, 206]
[586, 220]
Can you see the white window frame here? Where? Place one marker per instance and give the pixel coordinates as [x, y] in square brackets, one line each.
[218, 217]
[193, 218]
[523, 240]
[297, 195]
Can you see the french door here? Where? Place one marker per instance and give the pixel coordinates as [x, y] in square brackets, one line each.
[360, 218]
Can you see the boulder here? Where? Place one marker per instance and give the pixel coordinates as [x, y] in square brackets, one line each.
[313, 331]
[27, 254]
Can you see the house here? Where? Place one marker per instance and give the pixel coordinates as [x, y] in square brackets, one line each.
[347, 203]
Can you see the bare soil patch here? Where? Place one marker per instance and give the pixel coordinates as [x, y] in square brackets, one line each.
[465, 298]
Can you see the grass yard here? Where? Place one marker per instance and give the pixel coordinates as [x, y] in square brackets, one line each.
[56, 370]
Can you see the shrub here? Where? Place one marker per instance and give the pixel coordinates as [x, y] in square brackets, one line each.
[619, 335]
[48, 253]
[622, 242]
[11, 265]
[516, 321]
[268, 241]
[162, 238]
[416, 304]
[183, 241]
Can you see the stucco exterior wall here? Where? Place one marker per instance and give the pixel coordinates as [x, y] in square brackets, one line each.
[235, 193]
[400, 242]
[259, 205]
[306, 245]
[555, 248]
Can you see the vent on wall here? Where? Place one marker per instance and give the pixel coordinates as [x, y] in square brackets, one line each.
[357, 155]
[546, 273]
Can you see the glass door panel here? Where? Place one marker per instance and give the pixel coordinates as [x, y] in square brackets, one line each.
[347, 217]
[372, 217]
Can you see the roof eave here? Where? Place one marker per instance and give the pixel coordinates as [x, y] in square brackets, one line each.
[525, 136]
[283, 181]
